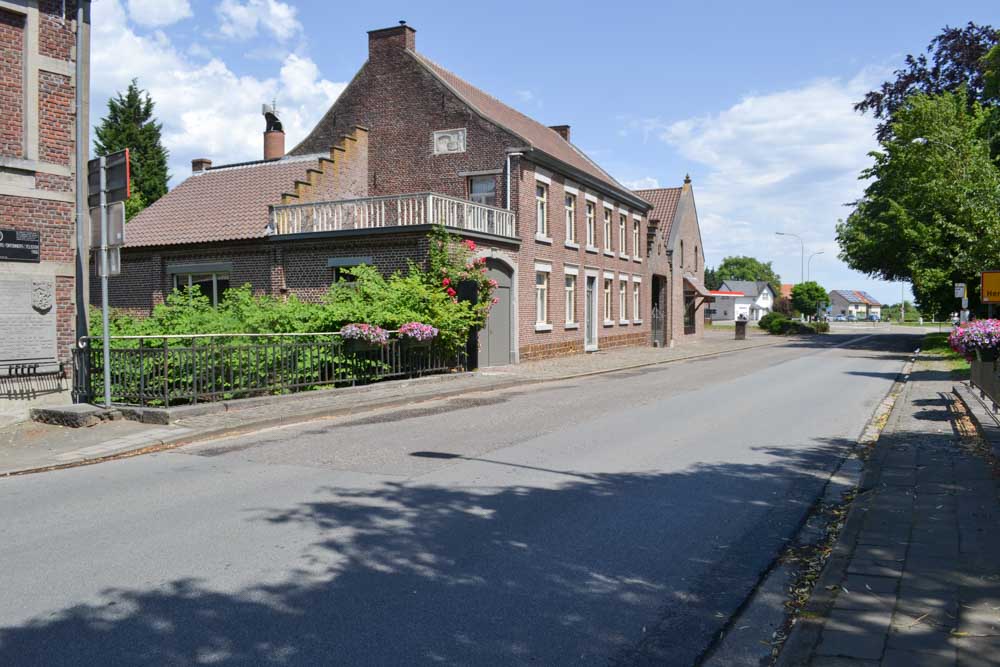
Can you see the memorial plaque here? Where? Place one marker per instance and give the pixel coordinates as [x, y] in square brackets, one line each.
[27, 319]
[20, 245]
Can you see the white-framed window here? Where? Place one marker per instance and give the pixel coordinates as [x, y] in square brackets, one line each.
[542, 295]
[622, 300]
[636, 302]
[622, 234]
[542, 208]
[570, 206]
[570, 298]
[636, 239]
[608, 314]
[591, 225]
[212, 284]
[483, 190]
[607, 230]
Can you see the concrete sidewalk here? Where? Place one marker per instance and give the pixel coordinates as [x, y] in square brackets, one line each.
[915, 576]
[32, 447]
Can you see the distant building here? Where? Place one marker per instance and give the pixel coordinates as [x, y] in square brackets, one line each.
[854, 302]
[742, 299]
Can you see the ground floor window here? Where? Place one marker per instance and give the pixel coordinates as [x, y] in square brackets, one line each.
[622, 300]
[636, 294]
[212, 285]
[607, 299]
[570, 299]
[541, 297]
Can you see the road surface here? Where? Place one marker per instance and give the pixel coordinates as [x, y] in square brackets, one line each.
[616, 519]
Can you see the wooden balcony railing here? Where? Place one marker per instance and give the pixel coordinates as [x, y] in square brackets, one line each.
[423, 208]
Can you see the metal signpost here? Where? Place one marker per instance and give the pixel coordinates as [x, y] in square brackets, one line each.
[109, 186]
[963, 315]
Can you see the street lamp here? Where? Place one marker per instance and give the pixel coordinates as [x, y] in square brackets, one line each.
[809, 264]
[802, 262]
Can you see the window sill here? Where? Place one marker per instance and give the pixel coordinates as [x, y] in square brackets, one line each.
[543, 239]
[636, 321]
[609, 323]
[592, 249]
[572, 245]
[623, 323]
[637, 259]
[609, 253]
[572, 325]
[541, 326]
[623, 255]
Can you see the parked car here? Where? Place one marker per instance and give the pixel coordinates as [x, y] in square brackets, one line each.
[874, 318]
[840, 318]
[852, 318]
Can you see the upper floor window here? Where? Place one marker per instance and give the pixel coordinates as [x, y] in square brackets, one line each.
[591, 226]
[607, 229]
[622, 245]
[542, 209]
[483, 190]
[636, 239]
[696, 258]
[571, 218]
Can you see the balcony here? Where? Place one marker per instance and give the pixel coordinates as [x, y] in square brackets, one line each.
[423, 208]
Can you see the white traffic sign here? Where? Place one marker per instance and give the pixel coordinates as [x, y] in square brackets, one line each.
[959, 290]
[116, 226]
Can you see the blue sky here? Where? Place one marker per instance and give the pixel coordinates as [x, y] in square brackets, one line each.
[753, 99]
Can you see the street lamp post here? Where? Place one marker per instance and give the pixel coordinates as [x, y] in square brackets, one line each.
[802, 263]
[809, 264]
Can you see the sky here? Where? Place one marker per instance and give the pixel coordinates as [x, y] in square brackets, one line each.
[753, 99]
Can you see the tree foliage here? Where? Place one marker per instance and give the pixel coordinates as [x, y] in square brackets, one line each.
[931, 214]
[712, 280]
[747, 268]
[955, 59]
[809, 297]
[130, 124]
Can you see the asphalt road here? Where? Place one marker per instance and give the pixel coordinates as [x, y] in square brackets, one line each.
[621, 518]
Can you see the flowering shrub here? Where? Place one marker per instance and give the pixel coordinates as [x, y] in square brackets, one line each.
[979, 336]
[452, 261]
[418, 331]
[368, 333]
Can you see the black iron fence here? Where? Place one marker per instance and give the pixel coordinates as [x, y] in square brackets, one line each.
[983, 375]
[175, 370]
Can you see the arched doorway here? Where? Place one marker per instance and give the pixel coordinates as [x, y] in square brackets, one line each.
[497, 337]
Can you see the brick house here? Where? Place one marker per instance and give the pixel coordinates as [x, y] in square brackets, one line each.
[406, 145]
[39, 297]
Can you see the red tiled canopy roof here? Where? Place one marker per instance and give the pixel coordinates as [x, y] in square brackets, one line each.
[664, 201]
[220, 204]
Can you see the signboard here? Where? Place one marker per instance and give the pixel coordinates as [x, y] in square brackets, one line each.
[990, 292]
[110, 263]
[117, 180]
[116, 225]
[20, 245]
[959, 290]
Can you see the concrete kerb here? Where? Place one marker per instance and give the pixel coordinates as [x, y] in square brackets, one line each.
[981, 413]
[805, 634]
[160, 445]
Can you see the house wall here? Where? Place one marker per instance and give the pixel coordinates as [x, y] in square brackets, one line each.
[692, 261]
[37, 166]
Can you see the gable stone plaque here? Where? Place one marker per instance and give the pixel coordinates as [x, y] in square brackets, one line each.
[27, 319]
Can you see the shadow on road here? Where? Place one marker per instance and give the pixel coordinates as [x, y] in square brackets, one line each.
[431, 575]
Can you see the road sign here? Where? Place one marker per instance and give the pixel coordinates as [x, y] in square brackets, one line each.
[959, 290]
[116, 225]
[117, 182]
[990, 292]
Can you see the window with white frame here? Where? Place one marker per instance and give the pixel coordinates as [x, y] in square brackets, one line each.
[541, 297]
[570, 298]
[621, 234]
[607, 230]
[591, 225]
[483, 190]
[607, 299]
[636, 301]
[622, 299]
[571, 218]
[636, 247]
[542, 209]
[213, 284]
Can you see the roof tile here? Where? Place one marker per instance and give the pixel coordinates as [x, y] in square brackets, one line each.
[664, 201]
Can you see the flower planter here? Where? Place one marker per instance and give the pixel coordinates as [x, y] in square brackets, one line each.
[987, 355]
[356, 346]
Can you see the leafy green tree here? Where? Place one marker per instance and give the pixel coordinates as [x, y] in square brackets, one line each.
[912, 313]
[747, 268]
[712, 280]
[809, 297]
[130, 124]
[931, 215]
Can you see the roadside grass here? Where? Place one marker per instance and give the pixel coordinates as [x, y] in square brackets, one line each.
[937, 344]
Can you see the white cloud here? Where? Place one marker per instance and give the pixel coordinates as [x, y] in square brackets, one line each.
[644, 183]
[781, 161]
[206, 108]
[243, 20]
[158, 13]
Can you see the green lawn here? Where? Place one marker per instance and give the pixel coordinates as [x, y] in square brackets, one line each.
[937, 344]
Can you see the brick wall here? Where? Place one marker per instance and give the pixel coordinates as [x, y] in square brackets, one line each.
[55, 118]
[55, 34]
[693, 263]
[344, 175]
[11, 84]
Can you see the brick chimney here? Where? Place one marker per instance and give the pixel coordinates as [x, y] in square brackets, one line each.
[200, 164]
[562, 130]
[274, 135]
[397, 37]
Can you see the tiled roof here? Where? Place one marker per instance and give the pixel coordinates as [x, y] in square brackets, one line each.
[539, 136]
[786, 290]
[664, 201]
[749, 288]
[856, 296]
[221, 204]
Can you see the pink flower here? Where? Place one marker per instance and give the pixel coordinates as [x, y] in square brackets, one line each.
[495, 301]
[470, 244]
[482, 260]
[493, 283]
[446, 282]
[451, 292]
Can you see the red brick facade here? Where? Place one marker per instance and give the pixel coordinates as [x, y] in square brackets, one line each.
[12, 83]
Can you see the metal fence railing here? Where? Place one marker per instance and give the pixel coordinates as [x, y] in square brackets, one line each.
[175, 370]
[983, 375]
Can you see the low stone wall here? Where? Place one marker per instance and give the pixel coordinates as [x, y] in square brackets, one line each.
[565, 348]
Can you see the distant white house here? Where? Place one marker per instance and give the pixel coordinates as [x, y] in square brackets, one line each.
[742, 299]
[854, 302]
